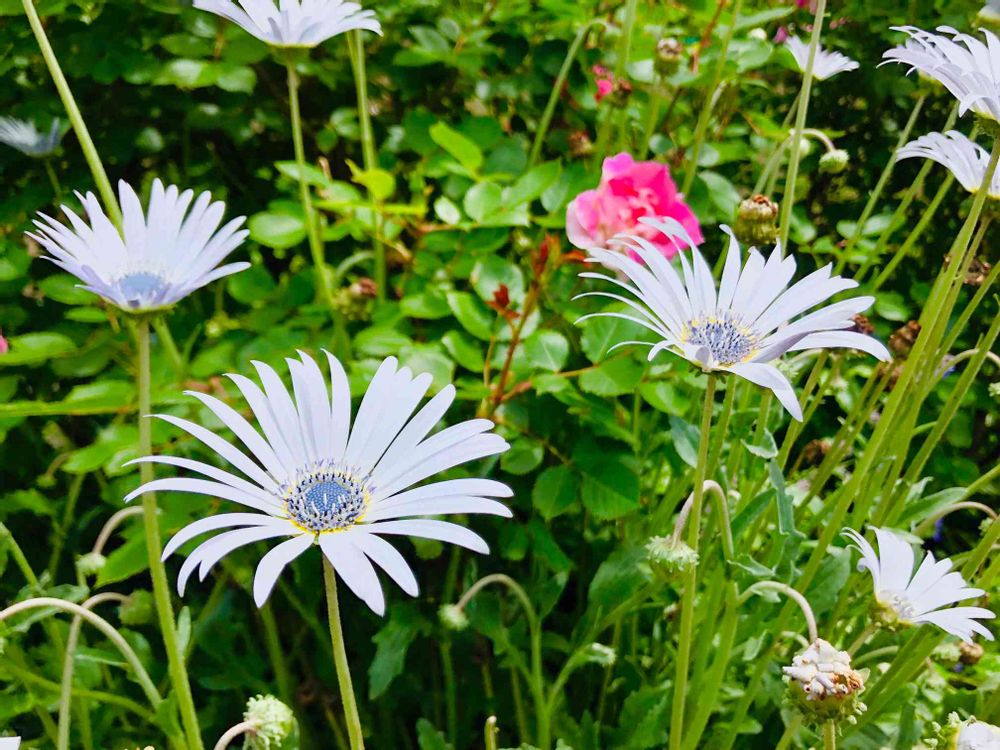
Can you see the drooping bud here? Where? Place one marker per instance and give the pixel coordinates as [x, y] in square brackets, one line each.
[834, 162]
[453, 617]
[756, 221]
[274, 724]
[138, 609]
[667, 557]
[823, 685]
[669, 55]
[90, 564]
[902, 341]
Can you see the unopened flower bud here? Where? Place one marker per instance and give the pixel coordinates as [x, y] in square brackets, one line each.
[598, 653]
[862, 325]
[759, 34]
[823, 685]
[669, 54]
[834, 162]
[667, 556]
[902, 341]
[355, 301]
[138, 609]
[979, 269]
[90, 564]
[756, 221]
[970, 652]
[453, 617]
[815, 451]
[273, 721]
[994, 390]
[580, 144]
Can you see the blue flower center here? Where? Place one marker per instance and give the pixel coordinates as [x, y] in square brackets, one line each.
[326, 500]
[727, 340]
[140, 286]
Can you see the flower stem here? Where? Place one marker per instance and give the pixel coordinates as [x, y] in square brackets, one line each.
[792, 176]
[792, 594]
[53, 178]
[490, 732]
[312, 222]
[73, 111]
[356, 48]
[244, 727]
[691, 575]
[550, 106]
[154, 547]
[701, 128]
[354, 730]
[830, 735]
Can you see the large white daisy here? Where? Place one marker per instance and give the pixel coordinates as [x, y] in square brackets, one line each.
[959, 154]
[293, 23]
[160, 257]
[915, 598]
[742, 327]
[826, 65]
[964, 65]
[26, 138]
[314, 478]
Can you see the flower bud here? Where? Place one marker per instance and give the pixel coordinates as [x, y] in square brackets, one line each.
[90, 564]
[274, 724]
[979, 269]
[994, 390]
[355, 301]
[580, 144]
[669, 54]
[668, 557]
[758, 33]
[598, 653]
[453, 617]
[902, 341]
[756, 221]
[834, 162]
[823, 685]
[970, 652]
[138, 609]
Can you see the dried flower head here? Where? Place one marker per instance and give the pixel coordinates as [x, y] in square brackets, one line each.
[823, 683]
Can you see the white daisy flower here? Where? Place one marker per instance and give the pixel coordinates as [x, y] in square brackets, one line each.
[317, 479]
[744, 326]
[293, 23]
[914, 598]
[978, 735]
[159, 258]
[959, 154]
[26, 138]
[964, 65]
[826, 65]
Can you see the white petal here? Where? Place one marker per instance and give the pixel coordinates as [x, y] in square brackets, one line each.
[271, 565]
[354, 569]
[442, 531]
[769, 377]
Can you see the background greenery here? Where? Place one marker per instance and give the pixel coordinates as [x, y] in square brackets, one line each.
[456, 93]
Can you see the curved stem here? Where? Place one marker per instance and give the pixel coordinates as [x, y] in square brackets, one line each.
[73, 112]
[961, 357]
[544, 738]
[792, 594]
[69, 665]
[550, 106]
[984, 480]
[691, 574]
[712, 488]
[112, 524]
[176, 666]
[701, 127]
[244, 727]
[107, 630]
[792, 176]
[351, 716]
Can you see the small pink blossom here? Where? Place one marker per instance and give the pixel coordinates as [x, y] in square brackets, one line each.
[781, 35]
[4, 346]
[630, 190]
[605, 82]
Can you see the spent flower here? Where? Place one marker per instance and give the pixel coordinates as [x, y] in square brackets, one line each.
[823, 684]
[745, 324]
[905, 597]
[23, 136]
[294, 23]
[826, 64]
[330, 483]
[160, 256]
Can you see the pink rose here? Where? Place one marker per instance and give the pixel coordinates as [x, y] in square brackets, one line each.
[630, 190]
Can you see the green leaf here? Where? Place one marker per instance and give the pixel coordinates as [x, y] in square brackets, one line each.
[767, 449]
[278, 230]
[786, 514]
[391, 645]
[523, 457]
[917, 511]
[447, 211]
[493, 271]
[600, 334]
[546, 350]
[128, 560]
[33, 348]
[483, 200]
[465, 351]
[555, 492]
[615, 377]
[610, 487]
[533, 183]
[620, 576]
[471, 314]
[464, 150]
[66, 289]
[429, 738]
[829, 581]
[685, 437]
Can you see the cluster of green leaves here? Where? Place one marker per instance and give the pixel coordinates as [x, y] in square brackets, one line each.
[602, 441]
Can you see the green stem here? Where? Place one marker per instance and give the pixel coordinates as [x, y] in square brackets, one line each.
[73, 111]
[340, 659]
[704, 117]
[490, 732]
[830, 735]
[166, 340]
[154, 547]
[356, 48]
[53, 178]
[792, 594]
[272, 641]
[550, 106]
[792, 176]
[305, 195]
[691, 575]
